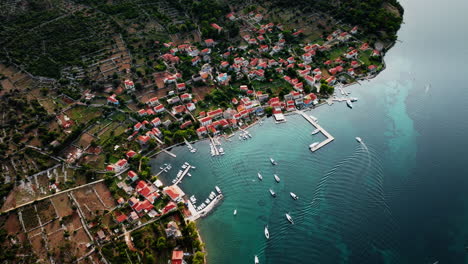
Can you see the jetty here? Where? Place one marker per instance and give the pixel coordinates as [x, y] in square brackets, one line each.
[329, 139]
[205, 211]
[169, 153]
[189, 146]
[181, 176]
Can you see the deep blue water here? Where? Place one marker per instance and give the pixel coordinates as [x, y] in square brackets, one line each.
[399, 198]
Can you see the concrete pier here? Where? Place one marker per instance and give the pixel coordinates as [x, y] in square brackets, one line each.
[329, 139]
[170, 153]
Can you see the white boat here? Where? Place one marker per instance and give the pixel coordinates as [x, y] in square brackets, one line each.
[235, 211]
[348, 102]
[289, 218]
[273, 161]
[313, 145]
[207, 201]
[184, 166]
[277, 178]
[256, 260]
[221, 151]
[314, 118]
[267, 234]
[316, 131]
[193, 167]
[358, 139]
[260, 177]
[354, 99]
[272, 193]
[294, 196]
[218, 189]
[203, 205]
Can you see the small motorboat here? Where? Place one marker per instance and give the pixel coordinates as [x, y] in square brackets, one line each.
[260, 177]
[294, 196]
[272, 193]
[235, 212]
[277, 178]
[273, 161]
[256, 260]
[267, 234]
[316, 131]
[349, 104]
[289, 219]
[358, 139]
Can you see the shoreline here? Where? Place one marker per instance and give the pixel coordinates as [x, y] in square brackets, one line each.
[256, 122]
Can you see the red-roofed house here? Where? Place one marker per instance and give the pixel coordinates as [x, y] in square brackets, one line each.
[156, 122]
[201, 131]
[132, 175]
[177, 257]
[209, 42]
[181, 86]
[217, 27]
[372, 68]
[143, 139]
[130, 154]
[206, 121]
[186, 97]
[215, 113]
[120, 165]
[153, 101]
[174, 192]
[158, 109]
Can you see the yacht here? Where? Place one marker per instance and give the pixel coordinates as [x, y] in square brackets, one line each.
[235, 211]
[313, 145]
[277, 178]
[260, 177]
[256, 260]
[289, 219]
[272, 193]
[294, 196]
[358, 139]
[267, 234]
[218, 189]
[316, 131]
[348, 102]
[273, 161]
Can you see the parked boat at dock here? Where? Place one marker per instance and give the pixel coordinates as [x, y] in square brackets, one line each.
[348, 102]
[218, 189]
[316, 131]
[311, 146]
[313, 118]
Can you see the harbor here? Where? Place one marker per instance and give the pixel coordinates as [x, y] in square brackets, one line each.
[181, 174]
[205, 208]
[329, 137]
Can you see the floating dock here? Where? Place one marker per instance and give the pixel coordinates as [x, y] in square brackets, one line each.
[329, 139]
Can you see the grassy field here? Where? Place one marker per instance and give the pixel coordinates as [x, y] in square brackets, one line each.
[83, 114]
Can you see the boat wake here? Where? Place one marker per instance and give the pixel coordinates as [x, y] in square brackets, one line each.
[349, 211]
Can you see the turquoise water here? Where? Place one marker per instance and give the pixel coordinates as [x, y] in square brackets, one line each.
[399, 198]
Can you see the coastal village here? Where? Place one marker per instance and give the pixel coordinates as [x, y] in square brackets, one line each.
[99, 193]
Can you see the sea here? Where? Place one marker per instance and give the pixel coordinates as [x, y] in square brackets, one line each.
[400, 197]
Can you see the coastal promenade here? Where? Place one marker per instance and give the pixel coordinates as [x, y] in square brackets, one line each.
[329, 139]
